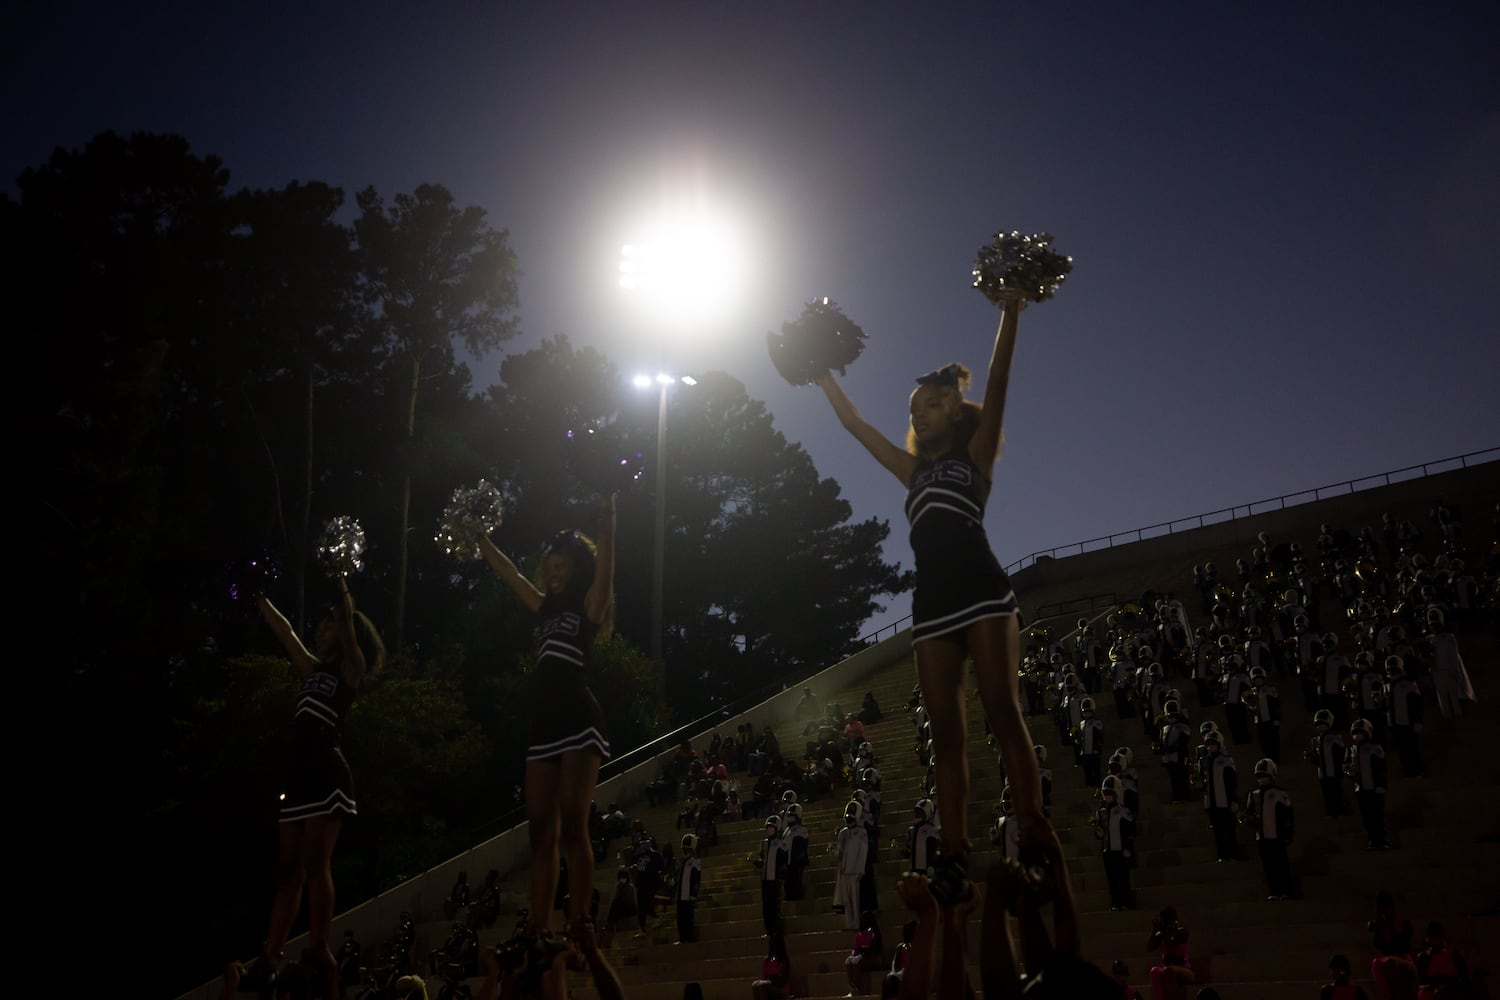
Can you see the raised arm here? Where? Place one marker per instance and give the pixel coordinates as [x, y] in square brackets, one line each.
[352, 662]
[900, 462]
[506, 570]
[286, 635]
[602, 591]
[984, 446]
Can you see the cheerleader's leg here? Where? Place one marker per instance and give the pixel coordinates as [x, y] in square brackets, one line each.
[995, 644]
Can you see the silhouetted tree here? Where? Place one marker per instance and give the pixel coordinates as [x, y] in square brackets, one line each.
[435, 275]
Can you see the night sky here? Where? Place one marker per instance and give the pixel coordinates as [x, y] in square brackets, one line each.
[1283, 216]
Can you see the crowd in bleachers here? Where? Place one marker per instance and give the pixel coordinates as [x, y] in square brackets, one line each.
[1357, 630]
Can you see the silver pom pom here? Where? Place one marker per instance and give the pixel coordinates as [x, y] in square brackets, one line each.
[341, 547]
[471, 513]
[1015, 265]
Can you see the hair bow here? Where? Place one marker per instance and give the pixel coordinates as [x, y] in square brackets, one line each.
[946, 375]
[563, 541]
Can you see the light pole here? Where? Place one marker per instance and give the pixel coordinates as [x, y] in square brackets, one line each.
[659, 553]
[684, 272]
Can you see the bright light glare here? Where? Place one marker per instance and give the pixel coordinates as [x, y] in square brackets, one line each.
[689, 264]
[665, 379]
[642, 381]
[689, 380]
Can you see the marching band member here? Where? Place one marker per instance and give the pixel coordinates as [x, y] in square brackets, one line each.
[1115, 828]
[1333, 671]
[1364, 762]
[1122, 670]
[1236, 684]
[1175, 746]
[775, 856]
[798, 855]
[922, 837]
[853, 850]
[1220, 795]
[1090, 742]
[1205, 667]
[1271, 809]
[1449, 678]
[1005, 834]
[1403, 704]
[689, 882]
[1046, 775]
[1368, 696]
[1267, 713]
[1326, 753]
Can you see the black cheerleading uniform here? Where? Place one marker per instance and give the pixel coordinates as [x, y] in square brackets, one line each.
[959, 580]
[319, 782]
[565, 715]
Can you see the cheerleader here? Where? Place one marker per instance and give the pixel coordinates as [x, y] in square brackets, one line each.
[568, 736]
[963, 606]
[319, 789]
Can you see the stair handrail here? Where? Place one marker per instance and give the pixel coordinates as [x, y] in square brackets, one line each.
[1307, 496]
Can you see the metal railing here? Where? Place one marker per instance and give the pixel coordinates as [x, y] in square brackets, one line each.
[1076, 605]
[1260, 507]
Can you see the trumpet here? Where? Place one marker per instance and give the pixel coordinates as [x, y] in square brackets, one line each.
[1251, 702]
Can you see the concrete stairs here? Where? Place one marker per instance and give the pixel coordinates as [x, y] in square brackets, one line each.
[1444, 864]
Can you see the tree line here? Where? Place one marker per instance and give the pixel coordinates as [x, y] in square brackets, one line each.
[207, 375]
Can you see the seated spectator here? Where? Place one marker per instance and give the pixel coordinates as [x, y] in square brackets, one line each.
[770, 744]
[688, 816]
[775, 982]
[663, 788]
[867, 955]
[1120, 972]
[854, 733]
[761, 796]
[809, 712]
[623, 907]
[458, 896]
[486, 911]
[891, 985]
[733, 754]
[596, 833]
[1393, 971]
[1170, 978]
[1341, 988]
[348, 959]
[650, 872]
[615, 825]
[732, 810]
[448, 951]
[1442, 973]
[411, 988]
[869, 711]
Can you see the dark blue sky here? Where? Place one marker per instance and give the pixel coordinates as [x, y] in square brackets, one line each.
[1284, 216]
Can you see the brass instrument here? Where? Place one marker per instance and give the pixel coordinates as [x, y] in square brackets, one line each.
[1251, 701]
[1243, 816]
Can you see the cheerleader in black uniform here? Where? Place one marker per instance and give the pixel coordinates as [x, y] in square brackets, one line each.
[319, 789]
[963, 606]
[568, 739]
